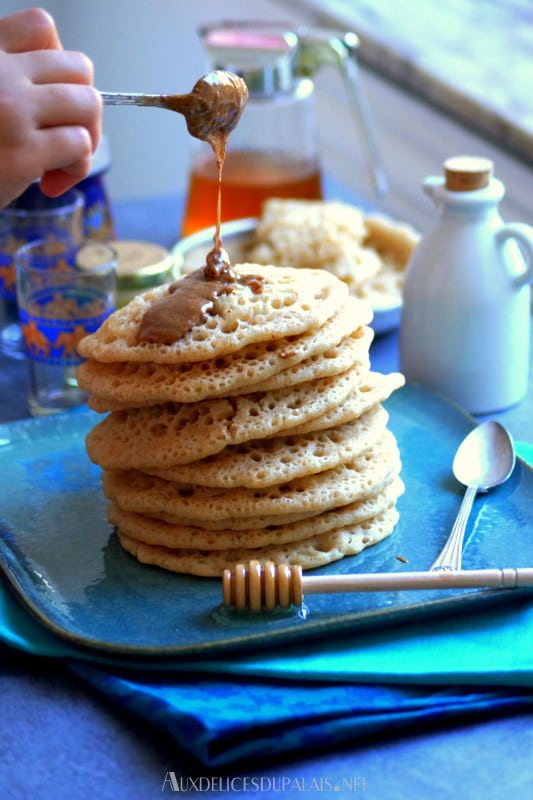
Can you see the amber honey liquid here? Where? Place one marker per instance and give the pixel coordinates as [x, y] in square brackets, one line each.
[248, 179]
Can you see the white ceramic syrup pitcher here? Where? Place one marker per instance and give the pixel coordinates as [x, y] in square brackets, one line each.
[465, 329]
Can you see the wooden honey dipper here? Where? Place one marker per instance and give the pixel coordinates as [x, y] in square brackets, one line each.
[259, 586]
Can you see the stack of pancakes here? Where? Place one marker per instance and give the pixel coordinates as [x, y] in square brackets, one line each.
[259, 434]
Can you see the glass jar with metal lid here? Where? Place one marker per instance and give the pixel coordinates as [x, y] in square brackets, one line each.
[140, 266]
[273, 151]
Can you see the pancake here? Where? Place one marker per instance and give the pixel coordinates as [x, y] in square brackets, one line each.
[265, 462]
[157, 532]
[291, 303]
[131, 383]
[303, 497]
[351, 352]
[314, 234]
[166, 385]
[374, 389]
[159, 437]
[368, 252]
[317, 551]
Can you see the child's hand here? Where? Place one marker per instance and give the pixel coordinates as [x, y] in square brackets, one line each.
[50, 113]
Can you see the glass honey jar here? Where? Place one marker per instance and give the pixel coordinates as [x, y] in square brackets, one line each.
[273, 151]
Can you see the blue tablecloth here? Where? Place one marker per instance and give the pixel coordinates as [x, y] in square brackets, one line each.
[312, 695]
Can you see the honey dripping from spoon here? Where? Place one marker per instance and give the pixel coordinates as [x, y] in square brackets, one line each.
[212, 110]
[231, 95]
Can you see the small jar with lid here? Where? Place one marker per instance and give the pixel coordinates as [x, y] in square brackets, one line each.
[140, 266]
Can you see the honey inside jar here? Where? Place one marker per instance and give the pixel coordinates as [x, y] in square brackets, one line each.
[250, 177]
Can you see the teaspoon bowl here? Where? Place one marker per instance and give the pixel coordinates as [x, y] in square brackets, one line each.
[485, 459]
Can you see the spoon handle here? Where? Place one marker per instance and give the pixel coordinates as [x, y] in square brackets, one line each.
[450, 557]
[124, 98]
[170, 102]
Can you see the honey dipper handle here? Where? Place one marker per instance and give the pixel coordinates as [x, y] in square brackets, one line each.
[265, 586]
[385, 581]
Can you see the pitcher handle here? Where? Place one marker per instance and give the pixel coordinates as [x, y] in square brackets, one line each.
[523, 234]
[320, 47]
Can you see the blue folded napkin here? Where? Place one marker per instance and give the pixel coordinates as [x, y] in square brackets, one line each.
[222, 721]
[315, 695]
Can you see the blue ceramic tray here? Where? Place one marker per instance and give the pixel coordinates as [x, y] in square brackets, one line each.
[62, 559]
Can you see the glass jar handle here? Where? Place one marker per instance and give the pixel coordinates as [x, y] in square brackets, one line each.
[318, 48]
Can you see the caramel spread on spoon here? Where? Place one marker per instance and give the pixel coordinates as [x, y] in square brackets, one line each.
[214, 106]
[212, 110]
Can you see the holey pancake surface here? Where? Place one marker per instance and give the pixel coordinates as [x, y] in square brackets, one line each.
[258, 433]
[266, 462]
[157, 437]
[180, 502]
[259, 366]
[190, 537]
[315, 551]
[290, 303]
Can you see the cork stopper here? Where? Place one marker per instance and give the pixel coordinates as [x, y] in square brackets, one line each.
[467, 173]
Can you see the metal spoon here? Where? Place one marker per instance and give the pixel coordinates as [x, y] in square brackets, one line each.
[214, 105]
[485, 458]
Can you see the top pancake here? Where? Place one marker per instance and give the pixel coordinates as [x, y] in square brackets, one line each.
[290, 303]
[130, 384]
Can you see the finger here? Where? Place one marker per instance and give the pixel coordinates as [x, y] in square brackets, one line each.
[55, 182]
[61, 105]
[57, 66]
[67, 149]
[60, 157]
[30, 29]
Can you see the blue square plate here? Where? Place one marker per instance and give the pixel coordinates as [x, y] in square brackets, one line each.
[62, 559]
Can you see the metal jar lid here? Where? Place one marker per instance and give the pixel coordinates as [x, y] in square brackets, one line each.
[94, 256]
[264, 56]
[140, 266]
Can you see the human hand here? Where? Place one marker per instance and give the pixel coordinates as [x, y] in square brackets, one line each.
[50, 113]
